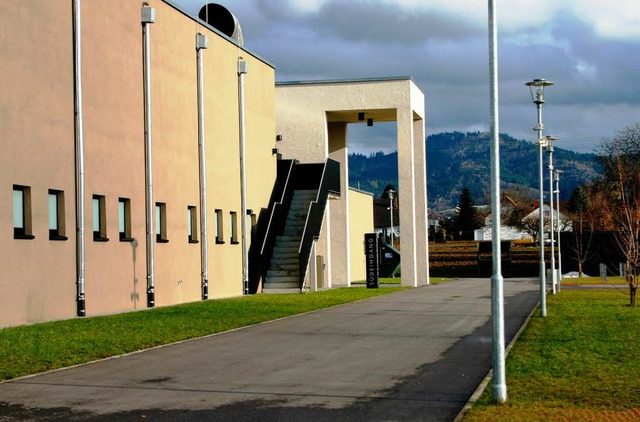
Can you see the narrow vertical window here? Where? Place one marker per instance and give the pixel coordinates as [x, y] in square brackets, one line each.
[100, 219]
[219, 227]
[161, 222]
[124, 219]
[233, 217]
[56, 215]
[22, 212]
[192, 224]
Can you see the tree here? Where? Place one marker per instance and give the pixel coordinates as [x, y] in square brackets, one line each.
[468, 218]
[531, 225]
[621, 161]
[385, 192]
[578, 207]
[577, 203]
[516, 205]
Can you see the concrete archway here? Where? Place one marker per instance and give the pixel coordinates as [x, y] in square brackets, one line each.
[312, 118]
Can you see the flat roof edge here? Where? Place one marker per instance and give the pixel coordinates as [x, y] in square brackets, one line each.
[206, 25]
[361, 191]
[351, 81]
[347, 81]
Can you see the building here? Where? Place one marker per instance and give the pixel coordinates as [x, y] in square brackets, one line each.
[39, 168]
[561, 223]
[121, 182]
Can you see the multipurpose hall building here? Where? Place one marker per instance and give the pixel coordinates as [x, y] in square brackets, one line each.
[149, 159]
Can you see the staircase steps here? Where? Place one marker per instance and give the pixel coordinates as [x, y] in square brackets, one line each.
[283, 275]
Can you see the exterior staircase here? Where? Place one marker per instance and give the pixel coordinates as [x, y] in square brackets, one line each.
[283, 275]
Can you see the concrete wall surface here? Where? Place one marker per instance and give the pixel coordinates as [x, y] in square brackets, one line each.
[38, 279]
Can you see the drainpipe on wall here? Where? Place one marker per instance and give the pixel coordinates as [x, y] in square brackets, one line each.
[148, 16]
[79, 138]
[242, 70]
[201, 43]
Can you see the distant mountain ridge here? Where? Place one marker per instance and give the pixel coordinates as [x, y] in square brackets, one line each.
[456, 159]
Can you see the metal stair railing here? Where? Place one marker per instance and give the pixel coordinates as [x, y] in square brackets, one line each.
[278, 214]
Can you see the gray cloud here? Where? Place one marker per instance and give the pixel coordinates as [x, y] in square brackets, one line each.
[387, 24]
[597, 87]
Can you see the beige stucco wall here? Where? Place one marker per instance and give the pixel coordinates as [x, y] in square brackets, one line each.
[37, 120]
[114, 152]
[36, 127]
[361, 222]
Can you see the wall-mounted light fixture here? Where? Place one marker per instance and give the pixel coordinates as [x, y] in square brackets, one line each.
[369, 121]
[278, 137]
[274, 150]
[361, 116]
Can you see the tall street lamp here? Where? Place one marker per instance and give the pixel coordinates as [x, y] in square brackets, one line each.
[497, 282]
[557, 192]
[548, 141]
[536, 87]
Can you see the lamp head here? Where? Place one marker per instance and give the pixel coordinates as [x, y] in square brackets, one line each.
[556, 175]
[550, 140]
[536, 87]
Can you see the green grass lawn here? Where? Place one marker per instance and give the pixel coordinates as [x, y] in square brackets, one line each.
[579, 363]
[36, 348]
[398, 280]
[593, 281]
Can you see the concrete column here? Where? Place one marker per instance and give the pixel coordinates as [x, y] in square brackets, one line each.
[312, 280]
[324, 244]
[406, 195]
[339, 209]
[422, 246]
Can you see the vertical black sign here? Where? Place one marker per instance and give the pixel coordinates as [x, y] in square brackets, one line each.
[371, 252]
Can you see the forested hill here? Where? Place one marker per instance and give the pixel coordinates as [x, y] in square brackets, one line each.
[457, 159]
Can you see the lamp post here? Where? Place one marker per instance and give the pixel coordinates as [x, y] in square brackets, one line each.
[499, 389]
[554, 280]
[536, 87]
[390, 192]
[557, 192]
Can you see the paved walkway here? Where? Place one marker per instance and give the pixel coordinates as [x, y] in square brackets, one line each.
[415, 355]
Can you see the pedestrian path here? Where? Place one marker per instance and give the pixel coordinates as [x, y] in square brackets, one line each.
[413, 355]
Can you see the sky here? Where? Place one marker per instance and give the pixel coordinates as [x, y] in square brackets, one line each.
[590, 49]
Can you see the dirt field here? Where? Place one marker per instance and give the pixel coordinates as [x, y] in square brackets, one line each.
[460, 259]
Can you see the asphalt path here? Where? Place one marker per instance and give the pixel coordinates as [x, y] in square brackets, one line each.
[414, 355]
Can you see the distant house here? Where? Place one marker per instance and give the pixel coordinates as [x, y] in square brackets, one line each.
[565, 223]
[515, 233]
[506, 232]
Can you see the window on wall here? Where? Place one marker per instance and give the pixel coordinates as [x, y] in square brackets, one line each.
[233, 219]
[100, 218]
[161, 222]
[124, 219]
[22, 212]
[192, 224]
[219, 227]
[56, 215]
